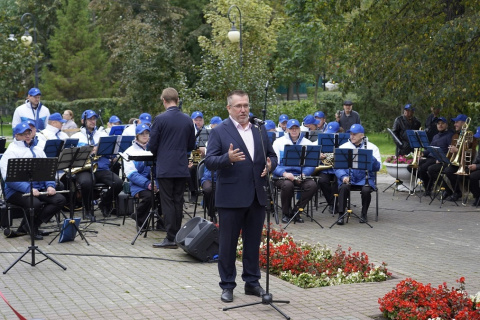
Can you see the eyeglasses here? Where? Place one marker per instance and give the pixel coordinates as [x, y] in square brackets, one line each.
[25, 133]
[239, 106]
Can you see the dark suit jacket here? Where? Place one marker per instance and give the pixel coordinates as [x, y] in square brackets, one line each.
[172, 136]
[238, 183]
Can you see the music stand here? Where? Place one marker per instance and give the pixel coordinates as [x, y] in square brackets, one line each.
[68, 159]
[414, 140]
[70, 143]
[3, 141]
[442, 158]
[32, 169]
[53, 147]
[397, 181]
[353, 159]
[301, 156]
[116, 130]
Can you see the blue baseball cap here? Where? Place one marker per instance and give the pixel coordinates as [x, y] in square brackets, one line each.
[251, 114]
[356, 128]
[114, 119]
[460, 117]
[441, 119]
[87, 114]
[477, 134]
[140, 128]
[145, 118]
[31, 122]
[269, 124]
[21, 128]
[319, 114]
[293, 122]
[310, 120]
[56, 117]
[283, 118]
[34, 92]
[409, 107]
[332, 127]
[216, 120]
[197, 114]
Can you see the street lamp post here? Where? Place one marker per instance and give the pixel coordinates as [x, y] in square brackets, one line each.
[235, 35]
[27, 39]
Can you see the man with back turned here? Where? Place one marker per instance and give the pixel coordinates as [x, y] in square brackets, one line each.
[236, 152]
[171, 137]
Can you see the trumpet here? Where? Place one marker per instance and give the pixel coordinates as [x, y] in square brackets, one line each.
[195, 156]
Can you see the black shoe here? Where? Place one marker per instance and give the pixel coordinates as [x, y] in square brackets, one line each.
[133, 216]
[340, 222]
[445, 194]
[104, 209]
[166, 244]
[227, 295]
[254, 291]
[285, 218]
[298, 218]
[91, 217]
[475, 201]
[364, 219]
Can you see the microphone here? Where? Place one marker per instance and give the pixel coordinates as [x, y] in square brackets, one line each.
[256, 121]
[100, 111]
[266, 85]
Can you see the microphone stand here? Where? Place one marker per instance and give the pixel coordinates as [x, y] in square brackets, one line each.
[267, 298]
[1, 126]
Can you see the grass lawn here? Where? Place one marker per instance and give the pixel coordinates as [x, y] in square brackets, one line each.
[385, 143]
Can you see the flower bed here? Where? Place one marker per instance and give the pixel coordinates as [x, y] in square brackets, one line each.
[310, 266]
[413, 300]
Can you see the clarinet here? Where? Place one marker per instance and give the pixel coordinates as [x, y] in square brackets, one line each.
[365, 140]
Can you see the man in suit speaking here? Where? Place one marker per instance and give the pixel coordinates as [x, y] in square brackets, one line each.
[236, 152]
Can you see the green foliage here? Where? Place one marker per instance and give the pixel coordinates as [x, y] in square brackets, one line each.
[16, 62]
[145, 43]
[221, 70]
[79, 65]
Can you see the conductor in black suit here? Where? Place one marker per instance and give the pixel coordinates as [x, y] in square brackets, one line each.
[172, 136]
[235, 152]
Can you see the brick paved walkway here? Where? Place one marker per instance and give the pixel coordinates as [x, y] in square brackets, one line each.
[112, 279]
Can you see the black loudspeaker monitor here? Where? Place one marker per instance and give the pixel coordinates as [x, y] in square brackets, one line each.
[199, 238]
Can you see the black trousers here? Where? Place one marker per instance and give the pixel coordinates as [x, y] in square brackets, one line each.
[86, 183]
[171, 199]
[45, 207]
[144, 205]
[475, 183]
[309, 188]
[250, 221]
[344, 193]
[328, 189]
[423, 166]
[434, 171]
[209, 197]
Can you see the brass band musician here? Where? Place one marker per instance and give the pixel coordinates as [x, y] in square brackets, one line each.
[442, 140]
[453, 193]
[356, 177]
[289, 175]
[326, 176]
[89, 135]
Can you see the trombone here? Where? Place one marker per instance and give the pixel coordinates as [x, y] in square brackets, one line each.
[465, 161]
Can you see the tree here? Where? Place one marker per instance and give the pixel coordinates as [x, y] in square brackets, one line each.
[17, 62]
[423, 52]
[145, 49]
[78, 68]
[221, 71]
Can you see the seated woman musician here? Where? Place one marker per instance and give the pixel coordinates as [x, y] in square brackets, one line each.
[290, 176]
[138, 173]
[356, 177]
[45, 205]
